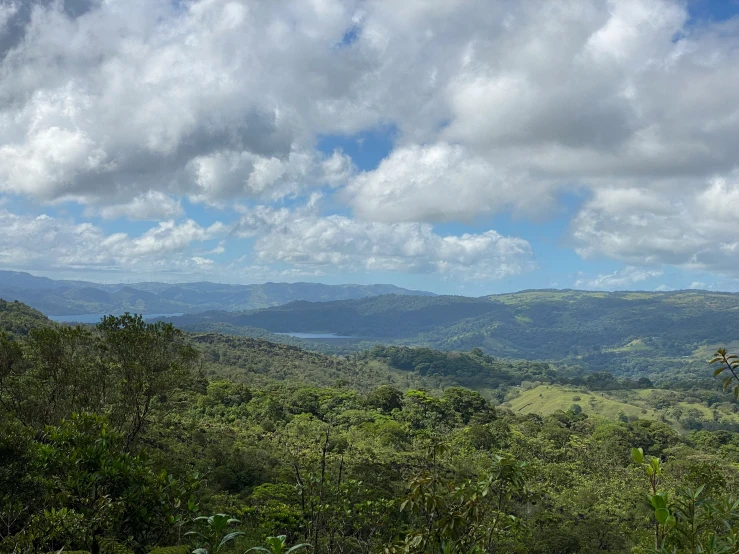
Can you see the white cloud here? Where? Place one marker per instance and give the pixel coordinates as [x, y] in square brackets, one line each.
[149, 206]
[305, 239]
[618, 280]
[439, 182]
[227, 175]
[694, 228]
[117, 103]
[158, 95]
[695, 285]
[44, 242]
[7, 11]
[127, 109]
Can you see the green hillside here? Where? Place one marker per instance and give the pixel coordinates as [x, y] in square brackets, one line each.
[655, 334]
[547, 399]
[684, 410]
[129, 436]
[18, 319]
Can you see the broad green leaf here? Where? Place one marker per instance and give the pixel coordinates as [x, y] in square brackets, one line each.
[637, 454]
[228, 538]
[297, 547]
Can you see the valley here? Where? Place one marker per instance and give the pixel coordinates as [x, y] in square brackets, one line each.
[326, 443]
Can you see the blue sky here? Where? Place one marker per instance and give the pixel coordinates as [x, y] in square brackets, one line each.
[430, 145]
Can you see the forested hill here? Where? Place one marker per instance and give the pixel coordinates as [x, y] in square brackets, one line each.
[387, 316]
[131, 437]
[56, 297]
[19, 319]
[630, 333]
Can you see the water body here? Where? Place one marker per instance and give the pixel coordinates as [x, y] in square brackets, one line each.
[316, 335]
[95, 318]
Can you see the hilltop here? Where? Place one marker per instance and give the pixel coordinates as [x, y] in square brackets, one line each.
[18, 319]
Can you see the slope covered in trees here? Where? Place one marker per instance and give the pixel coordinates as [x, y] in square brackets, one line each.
[632, 334]
[18, 318]
[133, 437]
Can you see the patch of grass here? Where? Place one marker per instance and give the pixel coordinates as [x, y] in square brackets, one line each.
[547, 399]
[707, 351]
[636, 344]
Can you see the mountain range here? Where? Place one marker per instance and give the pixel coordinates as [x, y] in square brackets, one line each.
[61, 297]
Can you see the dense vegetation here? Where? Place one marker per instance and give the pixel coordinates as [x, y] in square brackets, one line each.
[55, 297]
[19, 319]
[654, 335]
[134, 437]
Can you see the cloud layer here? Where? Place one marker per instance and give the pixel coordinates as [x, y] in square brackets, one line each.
[137, 110]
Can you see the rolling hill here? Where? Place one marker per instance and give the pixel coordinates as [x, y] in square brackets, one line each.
[58, 297]
[18, 319]
[629, 333]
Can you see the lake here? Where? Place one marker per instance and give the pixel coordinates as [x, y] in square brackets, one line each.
[316, 335]
[95, 318]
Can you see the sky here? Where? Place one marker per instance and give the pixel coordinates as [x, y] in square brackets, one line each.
[458, 146]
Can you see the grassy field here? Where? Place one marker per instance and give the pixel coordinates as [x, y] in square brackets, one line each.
[546, 399]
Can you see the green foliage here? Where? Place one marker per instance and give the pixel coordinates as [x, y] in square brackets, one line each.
[149, 359]
[386, 399]
[18, 319]
[214, 535]
[729, 364]
[353, 455]
[278, 545]
[124, 366]
[88, 491]
[108, 546]
[472, 516]
[182, 549]
[650, 336]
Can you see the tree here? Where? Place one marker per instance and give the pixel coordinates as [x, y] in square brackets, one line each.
[89, 490]
[55, 374]
[123, 367]
[469, 404]
[473, 516]
[386, 399]
[149, 361]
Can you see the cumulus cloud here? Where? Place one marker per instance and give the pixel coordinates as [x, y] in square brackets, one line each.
[149, 206]
[45, 242]
[110, 103]
[127, 109]
[439, 182]
[694, 229]
[303, 238]
[618, 280]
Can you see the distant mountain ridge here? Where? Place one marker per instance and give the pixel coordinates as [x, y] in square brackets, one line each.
[59, 297]
[628, 333]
